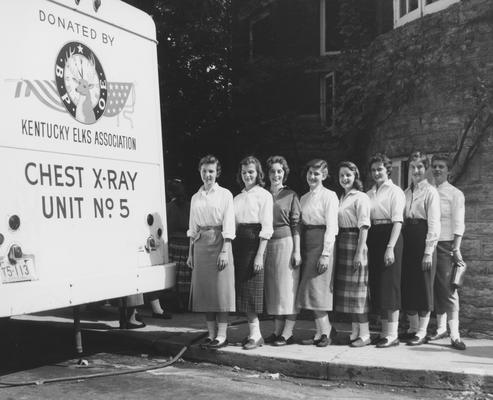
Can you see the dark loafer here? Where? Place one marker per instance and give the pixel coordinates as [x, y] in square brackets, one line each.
[438, 336]
[458, 344]
[216, 344]
[135, 326]
[324, 341]
[405, 336]
[281, 341]
[271, 338]
[164, 315]
[417, 341]
[383, 343]
[205, 344]
[253, 344]
[360, 342]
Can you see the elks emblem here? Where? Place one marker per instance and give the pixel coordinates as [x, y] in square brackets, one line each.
[80, 88]
[81, 82]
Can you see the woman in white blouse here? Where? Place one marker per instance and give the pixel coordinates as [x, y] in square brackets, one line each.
[253, 212]
[211, 230]
[351, 278]
[421, 232]
[319, 230]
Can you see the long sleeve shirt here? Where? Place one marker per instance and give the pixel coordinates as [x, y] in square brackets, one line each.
[452, 210]
[387, 202]
[423, 202]
[354, 210]
[212, 208]
[287, 210]
[320, 207]
[255, 206]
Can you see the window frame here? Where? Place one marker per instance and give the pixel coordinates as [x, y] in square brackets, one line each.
[323, 52]
[323, 99]
[423, 9]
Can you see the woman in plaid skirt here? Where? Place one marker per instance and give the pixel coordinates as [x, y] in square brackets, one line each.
[211, 230]
[319, 229]
[351, 283]
[253, 212]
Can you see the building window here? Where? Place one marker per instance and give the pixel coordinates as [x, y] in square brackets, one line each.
[330, 37]
[327, 100]
[408, 10]
[400, 172]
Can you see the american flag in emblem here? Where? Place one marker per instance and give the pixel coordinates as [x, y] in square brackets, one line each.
[118, 94]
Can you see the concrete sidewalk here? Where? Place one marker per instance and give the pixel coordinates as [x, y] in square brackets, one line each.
[434, 365]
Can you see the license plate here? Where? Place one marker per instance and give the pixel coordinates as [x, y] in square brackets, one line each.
[22, 270]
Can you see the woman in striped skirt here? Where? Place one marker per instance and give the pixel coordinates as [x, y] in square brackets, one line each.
[387, 202]
[351, 283]
[211, 230]
[253, 213]
[319, 229]
[282, 255]
[421, 233]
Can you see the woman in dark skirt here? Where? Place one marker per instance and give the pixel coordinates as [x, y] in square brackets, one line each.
[211, 229]
[253, 213]
[384, 242]
[421, 232]
[282, 255]
[351, 282]
[319, 229]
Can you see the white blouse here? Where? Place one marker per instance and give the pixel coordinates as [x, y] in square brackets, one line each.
[255, 206]
[354, 210]
[387, 202]
[319, 207]
[212, 208]
[424, 202]
[452, 210]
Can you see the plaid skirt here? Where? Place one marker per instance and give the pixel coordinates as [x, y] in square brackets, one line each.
[416, 284]
[385, 281]
[446, 297]
[249, 284]
[212, 290]
[178, 253]
[350, 287]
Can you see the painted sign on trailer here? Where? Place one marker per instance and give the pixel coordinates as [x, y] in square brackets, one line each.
[82, 211]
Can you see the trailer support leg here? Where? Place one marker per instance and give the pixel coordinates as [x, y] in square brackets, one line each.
[77, 331]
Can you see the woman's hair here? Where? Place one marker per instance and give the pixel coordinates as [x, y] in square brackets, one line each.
[317, 163]
[357, 184]
[420, 157]
[278, 160]
[260, 174]
[381, 158]
[442, 157]
[210, 159]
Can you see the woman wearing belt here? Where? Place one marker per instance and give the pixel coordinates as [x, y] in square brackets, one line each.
[282, 255]
[319, 229]
[351, 282]
[253, 213]
[387, 202]
[421, 232]
[211, 230]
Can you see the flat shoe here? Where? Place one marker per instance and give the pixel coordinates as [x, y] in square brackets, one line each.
[458, 344]
[360, 342]
[130, 325]
[164, 315]
[417, 341]
[309, 342]
[215, 344]
[253, 344]
[438, 336]
[281, 341]
[384, 343]
[405, 336]
[271, 338]
[205, 344]
[324, 341]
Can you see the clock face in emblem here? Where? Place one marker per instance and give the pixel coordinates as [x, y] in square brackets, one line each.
[81, 82]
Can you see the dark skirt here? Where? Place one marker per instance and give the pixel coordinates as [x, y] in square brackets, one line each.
[446, 297]
[385, 281]
[350, 287]
[315, 290]
[416, 284]
[249, 284]
[178, 253]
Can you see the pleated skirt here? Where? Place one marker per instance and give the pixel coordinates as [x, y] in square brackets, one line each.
[385, 281]
[249, 284]
[211, 290]
[281, 279]
[315, 290]
[350, 287]
[416, 284]
[446, 297]
[178, 253]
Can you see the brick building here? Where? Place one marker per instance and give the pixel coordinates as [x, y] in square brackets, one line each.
[345, 78]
